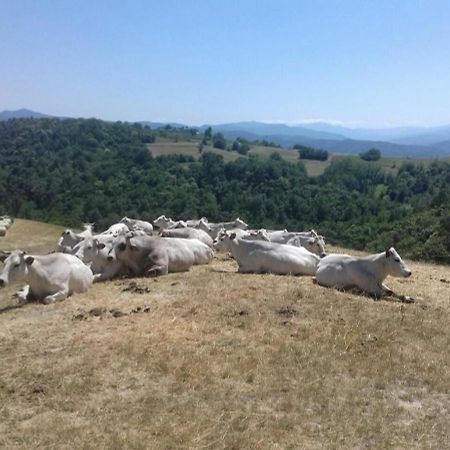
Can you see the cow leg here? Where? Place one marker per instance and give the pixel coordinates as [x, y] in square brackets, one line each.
[98, 277]
[57, 297]
[107, 274]
[23, 295]
[403, 298]
[371, 286]
[156, 271]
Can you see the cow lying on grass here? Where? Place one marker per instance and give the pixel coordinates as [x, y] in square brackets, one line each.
[49, 278]
[154, 256]
[268, 257]
[365, 273]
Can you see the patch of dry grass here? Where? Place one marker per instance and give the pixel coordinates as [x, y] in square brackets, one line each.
[227, 360]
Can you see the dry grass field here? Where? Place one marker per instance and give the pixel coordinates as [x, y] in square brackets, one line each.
[213, 359]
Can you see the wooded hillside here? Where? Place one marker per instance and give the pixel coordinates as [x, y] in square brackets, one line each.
[74, 170]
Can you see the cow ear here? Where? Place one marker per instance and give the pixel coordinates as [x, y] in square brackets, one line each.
[3, 258]
[388, 253]
[100, 245]
[29, 260]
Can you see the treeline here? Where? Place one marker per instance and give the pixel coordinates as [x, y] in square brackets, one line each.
[75, 170]
[311, 153]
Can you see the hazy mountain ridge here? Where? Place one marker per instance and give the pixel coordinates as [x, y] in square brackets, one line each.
[398, 141]
[267, 129]
[22, 113]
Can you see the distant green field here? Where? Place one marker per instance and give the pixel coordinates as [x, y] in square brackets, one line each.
[189, 148]
[164, 146]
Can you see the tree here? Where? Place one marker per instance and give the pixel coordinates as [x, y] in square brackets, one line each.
[207, 134]
[371, 155]
[219, 141]
[311, 153]
[241, 147]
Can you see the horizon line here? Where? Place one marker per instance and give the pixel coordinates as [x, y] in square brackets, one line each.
[352, 124]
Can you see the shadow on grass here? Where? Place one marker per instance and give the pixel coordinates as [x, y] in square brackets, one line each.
[7, 308]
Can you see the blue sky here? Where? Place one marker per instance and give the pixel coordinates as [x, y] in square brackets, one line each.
[359, 62]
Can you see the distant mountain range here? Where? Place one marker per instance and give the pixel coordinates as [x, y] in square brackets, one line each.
[399, 141]
[21, 114]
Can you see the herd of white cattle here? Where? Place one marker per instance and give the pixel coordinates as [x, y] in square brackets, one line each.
[5, 224]
[132, 248]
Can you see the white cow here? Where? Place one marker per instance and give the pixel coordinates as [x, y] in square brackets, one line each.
[49, 278]
[213, 229]
[95, 252]
[163, 222]
[6, 221]
[135, 224]
[268, 257]
[365, 273]
[194, 223]
[116, 229]
[69, 239]
[87, 230]
[312, 241]
[315, 245]
[283, 236]
[221, 244]
[153, 256]
[203, 254]
[188, 233]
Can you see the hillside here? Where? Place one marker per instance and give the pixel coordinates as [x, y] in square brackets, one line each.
[75, 170]
[166, 146]
[407, 141]
[216, 359]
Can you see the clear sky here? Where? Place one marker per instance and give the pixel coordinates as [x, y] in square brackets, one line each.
[361, 62]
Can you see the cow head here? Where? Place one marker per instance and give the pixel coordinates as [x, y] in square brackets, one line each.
[88, 226]
[222, 239]
[124, 245]
[315, 245]
[88, 249]
[162, 221]
[239, 223]
[262, 235]
[16, 267]
[395, 265]
[203, 225]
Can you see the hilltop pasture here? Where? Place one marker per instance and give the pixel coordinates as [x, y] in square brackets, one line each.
[215, 359]
[314, 168]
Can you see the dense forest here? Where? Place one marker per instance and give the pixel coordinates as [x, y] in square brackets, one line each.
[76, 170]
